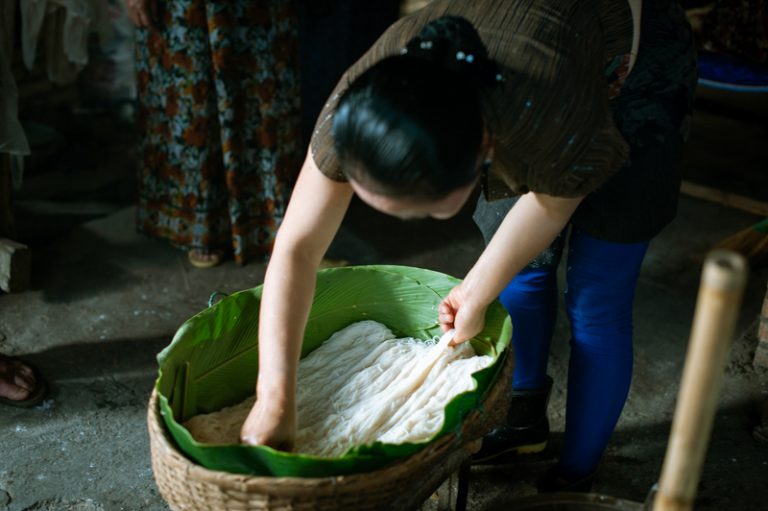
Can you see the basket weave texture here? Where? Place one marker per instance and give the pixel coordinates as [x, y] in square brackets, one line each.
[402, 485]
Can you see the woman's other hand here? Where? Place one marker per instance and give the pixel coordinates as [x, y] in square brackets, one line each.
[271, 426]
[143, 13]
[457, 311]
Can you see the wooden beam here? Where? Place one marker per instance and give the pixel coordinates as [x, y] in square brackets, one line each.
[724, 198]
[15, 262]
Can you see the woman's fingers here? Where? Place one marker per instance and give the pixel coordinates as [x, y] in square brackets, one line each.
[273, 426]
[274, 441]
[466, 332]
[446, 315]
[469, 322]
[457, 311]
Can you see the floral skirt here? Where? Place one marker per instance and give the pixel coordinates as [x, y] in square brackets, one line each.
[219, 121]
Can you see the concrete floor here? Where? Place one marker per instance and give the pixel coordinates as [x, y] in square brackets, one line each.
[105, 301]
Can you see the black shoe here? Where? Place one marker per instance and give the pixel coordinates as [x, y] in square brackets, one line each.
[525, 430]
[555, 480]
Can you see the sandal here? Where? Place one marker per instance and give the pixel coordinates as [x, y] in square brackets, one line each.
[36, 395]
[203, 259]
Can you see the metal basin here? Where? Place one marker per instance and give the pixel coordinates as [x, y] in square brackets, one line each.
[569, 502]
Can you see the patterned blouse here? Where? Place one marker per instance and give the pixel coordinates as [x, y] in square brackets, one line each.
[561, 60]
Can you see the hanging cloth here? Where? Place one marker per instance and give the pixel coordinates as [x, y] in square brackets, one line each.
[13, 140]
[68, 24]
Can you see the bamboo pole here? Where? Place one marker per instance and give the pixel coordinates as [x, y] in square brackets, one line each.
[722, 286]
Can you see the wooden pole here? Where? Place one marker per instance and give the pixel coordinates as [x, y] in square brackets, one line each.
[722, 286]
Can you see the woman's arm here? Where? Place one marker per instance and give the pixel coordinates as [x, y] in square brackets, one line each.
[314, 214]
[529, 227]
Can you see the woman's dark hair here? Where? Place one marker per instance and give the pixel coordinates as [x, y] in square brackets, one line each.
[411, 125]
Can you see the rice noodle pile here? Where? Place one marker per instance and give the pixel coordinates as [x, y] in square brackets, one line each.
[361, 386]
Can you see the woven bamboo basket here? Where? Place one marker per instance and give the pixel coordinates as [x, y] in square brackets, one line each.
[403, 485]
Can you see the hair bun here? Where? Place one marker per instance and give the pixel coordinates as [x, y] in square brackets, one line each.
[453, 42]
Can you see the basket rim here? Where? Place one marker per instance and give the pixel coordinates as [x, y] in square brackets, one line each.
[249, 483]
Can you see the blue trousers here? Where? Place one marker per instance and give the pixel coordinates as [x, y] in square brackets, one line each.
[601, 279]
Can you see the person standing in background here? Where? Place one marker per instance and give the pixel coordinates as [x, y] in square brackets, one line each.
[220, 123]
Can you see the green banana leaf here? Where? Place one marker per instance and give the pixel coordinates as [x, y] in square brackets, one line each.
[213, 358]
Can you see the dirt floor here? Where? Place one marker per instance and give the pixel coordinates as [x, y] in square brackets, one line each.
[105, 301]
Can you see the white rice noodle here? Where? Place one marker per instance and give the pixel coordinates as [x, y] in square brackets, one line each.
[362, 386]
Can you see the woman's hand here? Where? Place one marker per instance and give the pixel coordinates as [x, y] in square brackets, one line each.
[529, 227]
[457, 311]
[271, 426]
[143, 13]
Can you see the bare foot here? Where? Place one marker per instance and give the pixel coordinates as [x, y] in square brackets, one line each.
[17, 380]
[200, 258]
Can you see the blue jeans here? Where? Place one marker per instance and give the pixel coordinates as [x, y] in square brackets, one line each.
[601, 279]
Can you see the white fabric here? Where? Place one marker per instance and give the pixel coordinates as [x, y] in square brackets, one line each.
[12, 137]
[13, 140]
[361, 386]
[32, 16]
[59, 67]
[68, 25]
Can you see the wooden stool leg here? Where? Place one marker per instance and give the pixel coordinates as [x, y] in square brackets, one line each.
[452, 494]
[445, 495]
[462, 492]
